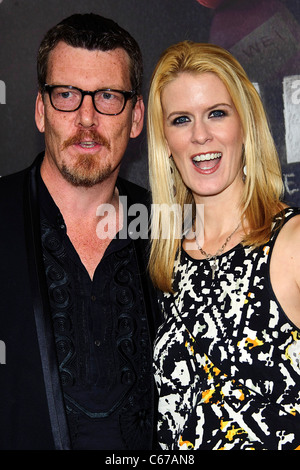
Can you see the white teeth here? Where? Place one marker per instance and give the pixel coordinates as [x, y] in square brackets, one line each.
[206, 157]
[87, 144]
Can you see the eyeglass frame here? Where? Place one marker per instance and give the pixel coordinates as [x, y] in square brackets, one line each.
[128, 95]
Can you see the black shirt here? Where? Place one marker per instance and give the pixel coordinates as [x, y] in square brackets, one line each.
[102, 338]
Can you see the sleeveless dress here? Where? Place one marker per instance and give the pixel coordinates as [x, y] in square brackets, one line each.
[227, 358]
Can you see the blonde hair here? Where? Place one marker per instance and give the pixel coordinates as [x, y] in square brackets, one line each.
[263, 187]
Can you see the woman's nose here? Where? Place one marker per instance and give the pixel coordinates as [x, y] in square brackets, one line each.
[201, 132]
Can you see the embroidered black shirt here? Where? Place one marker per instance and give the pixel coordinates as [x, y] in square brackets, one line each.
[102, 338]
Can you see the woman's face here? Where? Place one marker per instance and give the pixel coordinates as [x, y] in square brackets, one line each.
[204, 134]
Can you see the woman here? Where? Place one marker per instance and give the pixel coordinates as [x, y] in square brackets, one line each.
[227, 358]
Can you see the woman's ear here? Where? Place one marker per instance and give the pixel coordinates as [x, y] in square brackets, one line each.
[168, 149]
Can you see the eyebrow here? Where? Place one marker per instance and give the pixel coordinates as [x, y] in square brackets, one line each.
[210, 108]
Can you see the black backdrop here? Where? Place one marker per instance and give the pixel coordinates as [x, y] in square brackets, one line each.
[263, 34]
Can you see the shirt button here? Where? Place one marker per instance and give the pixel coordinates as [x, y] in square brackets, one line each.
[93, 297]
[97, 342]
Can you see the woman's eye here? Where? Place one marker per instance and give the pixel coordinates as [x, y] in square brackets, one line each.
[217, 113]
[180, 120]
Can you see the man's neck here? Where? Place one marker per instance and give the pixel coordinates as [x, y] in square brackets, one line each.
[79, 208]
[78, 201]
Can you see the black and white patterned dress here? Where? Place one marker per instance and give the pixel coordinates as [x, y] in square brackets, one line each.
[227, 358]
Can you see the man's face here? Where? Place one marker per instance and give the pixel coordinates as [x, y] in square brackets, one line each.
[84, 146]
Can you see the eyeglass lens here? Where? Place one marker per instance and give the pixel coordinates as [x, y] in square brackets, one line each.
[108, 102]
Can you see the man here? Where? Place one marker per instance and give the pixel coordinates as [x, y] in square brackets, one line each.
[77, 312]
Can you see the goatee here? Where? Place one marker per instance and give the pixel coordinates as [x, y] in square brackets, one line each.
[86, 172]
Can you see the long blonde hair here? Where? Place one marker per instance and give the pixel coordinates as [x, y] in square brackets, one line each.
[263, 187]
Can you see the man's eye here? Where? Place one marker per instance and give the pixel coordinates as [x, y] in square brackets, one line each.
[217, 113]
[65, 94]
[107, 96]
[180, 120]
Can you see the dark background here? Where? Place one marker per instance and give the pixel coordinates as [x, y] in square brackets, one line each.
[263, 34]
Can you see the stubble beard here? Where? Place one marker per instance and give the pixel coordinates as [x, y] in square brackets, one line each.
[87, 170]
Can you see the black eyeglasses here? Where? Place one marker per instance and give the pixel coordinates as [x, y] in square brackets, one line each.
[68, 98]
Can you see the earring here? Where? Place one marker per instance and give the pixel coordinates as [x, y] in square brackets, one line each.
[245, 166]
[172, 173]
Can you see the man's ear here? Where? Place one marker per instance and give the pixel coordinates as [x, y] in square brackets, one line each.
[137, 118]
[40, 113]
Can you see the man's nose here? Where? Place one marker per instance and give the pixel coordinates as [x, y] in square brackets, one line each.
[87, 115]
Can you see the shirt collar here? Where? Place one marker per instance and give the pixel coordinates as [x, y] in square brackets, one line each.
[51, 212]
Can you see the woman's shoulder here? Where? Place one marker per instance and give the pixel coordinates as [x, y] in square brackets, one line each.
[290, 228]
[284, 216]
